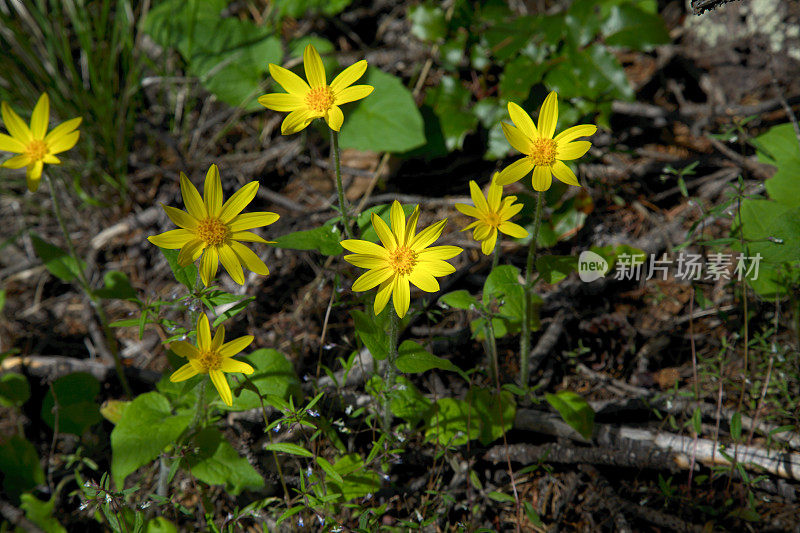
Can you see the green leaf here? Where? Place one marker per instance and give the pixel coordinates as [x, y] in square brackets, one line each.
[328, 468]
[14, 389]
[407, 402]
[496, 413]
[2, 299]
[232, 311]
[187, 275]
[274, 375]
[779, 146]
[414, 359]
[116, 285]
[385, 121]
[146, 428]
[771, 229]
[77, 408]
[160, 524]
[519, 76]
[325, 239]
[594, 74]
[574, 410]
[306, 9]
[459, 299]
[554, 268]
[629, 26]
[57, 261]
[20, 466]
[428, 22]
[452, 423]
[371, 333]
[501, 497]
[450, 101]
[288, 447]
[736, 426]
[217, 463]
[41, 513]
[358, 481]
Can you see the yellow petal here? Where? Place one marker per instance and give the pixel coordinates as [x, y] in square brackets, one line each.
[33, 175]
[436, 267]
[252, 220]
[364, 247]
[212, 191]
[229, 349]
[514, 172]
[366, 261]
[565, 174]
[63, 142]
[401, 295]
[398, 219]
[548, 116]
[282, 101]
[315, 70]
[515, 138]
[221, 384]
[542, 178]
[296, 121]
[477, 197]
[180, 218]
[428, 236]
[250, 259]
[219, 338]
[482, 231]
[173, 239]
[238, 202]
[50, 159]
[572, 150]
[494, 196]
[231, 263]
[570, 134]
[18, 161]
[513, 230]
[488, 244]
[369, 279]
[232, 365]
[334, 118]
[203, 333]
[439, 252]
[40, 118]
[384, 233]
[291, 82]
[423, 279]
[191, 198]
[411, 225]
[15, 125]
[184, 349]
[509, 210]
[247, 236]
[208, 265]
[183, 373]
[62, 129]
[349, 76]
[522, 120]
[383, 295]
[190, 251]
[469, 210]
[351, 94]
[10, 144]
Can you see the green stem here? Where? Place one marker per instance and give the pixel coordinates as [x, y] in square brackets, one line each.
[339, 189]
[83, 281]
[491, 344]
[496, 254]
[201, 404]
[391, 370]
[525, 337]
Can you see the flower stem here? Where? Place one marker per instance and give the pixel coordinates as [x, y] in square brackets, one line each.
[83, 281]
[525, 337]
[496, 255]
[390, 373]
[339, 189]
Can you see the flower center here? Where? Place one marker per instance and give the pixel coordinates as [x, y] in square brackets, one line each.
[402, 260]
[210, 360]
[492, 219]
[212, 231]
[320, 99]
[543, 151]
[36, 150]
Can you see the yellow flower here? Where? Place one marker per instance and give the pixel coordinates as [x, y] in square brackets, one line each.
[315, 99]
[544, 154]
[211, 357]
[492, 213]
[34, 144]
[404, 258]
[215, 228]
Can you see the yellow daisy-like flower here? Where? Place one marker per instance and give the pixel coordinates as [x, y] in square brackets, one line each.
[213, 229]
[492, 213]
[315, 99]
[35, 146]
[404, 258]
[544, 154]
[211, 357]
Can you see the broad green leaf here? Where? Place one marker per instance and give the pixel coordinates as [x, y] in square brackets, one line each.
[629, 26]
[288, 447]
[216, 462]
[358, 481]
[414, 359]
[41, 513]
[771, 229]
[519, 76]
[116, 285]
[300, 9]
[329, 469]
[407, 402]
[385, 121]
[146, 428]
[325, 239]
[428, 22]
[496, 413]
[574, 410]
[274, 375]
[459, 299]
[450, 101]
[779, 146]
[77, 408]
[57, 261]
[160, 524]
[186, 275]
[14, 389]
[554, 268]
[452, 422]
[371, 333]
[594, 74]
[20, 466]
